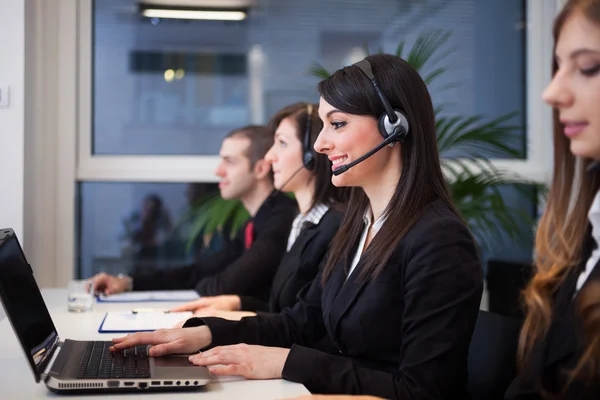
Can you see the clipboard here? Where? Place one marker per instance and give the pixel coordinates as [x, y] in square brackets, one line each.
[149, 296]
[129, 322]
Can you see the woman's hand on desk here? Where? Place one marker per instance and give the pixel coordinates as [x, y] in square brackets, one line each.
[223, 302]
[230, 315]
[167, 341]
[108, 284]
[335, 397]
[252, 362]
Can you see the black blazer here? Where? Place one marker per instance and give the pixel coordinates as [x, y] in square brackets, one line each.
[299, 266]
[559, 350]
[234, 269]
[404, 334]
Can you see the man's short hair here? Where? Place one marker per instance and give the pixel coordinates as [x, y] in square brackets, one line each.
[261, 139]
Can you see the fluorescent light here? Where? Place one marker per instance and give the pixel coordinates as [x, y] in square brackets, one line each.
[217, 15]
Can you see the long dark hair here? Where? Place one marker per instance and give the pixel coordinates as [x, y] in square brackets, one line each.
[325, 192]
[561, 235]
[422, 181]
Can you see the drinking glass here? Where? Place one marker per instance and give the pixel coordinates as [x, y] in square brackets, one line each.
[80, 299]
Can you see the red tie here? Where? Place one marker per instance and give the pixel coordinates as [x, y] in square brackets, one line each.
[249, 234]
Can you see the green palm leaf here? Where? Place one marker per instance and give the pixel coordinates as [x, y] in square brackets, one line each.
[211, 214]
[319, 71]
[479, 199]
[425, 47]
[472, 135]
[420, 55]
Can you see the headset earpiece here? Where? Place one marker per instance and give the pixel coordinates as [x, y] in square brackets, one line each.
[308, 156]
[393, 125]
[398, 128]
[391, 122]
[309, 161]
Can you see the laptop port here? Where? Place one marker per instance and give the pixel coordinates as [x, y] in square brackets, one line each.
[167, 382]
[143, 385]
[155, 383]
[129, 383]
[112, 384]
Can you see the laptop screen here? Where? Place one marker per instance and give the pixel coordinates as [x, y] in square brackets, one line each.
[24, 304]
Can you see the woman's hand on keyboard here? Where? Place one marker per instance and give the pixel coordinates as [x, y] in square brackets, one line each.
[167, 341]
[250, 361]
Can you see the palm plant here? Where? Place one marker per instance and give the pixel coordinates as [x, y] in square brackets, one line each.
[475, 183]
[210, 214]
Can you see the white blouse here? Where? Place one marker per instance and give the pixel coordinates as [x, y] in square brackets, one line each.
[367, 217]
[313, 216]
[594, 217]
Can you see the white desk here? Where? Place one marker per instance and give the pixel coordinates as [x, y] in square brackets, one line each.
[17, 381]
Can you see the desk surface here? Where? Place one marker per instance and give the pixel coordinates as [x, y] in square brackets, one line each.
[17, 381]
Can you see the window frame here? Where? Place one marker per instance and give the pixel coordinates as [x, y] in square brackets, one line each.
[144, 168]
[74, 130]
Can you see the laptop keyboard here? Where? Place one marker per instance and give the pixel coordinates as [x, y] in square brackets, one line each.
[98, 362]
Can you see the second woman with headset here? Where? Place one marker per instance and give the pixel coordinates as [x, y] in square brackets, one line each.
[297, 168]
[398, 298]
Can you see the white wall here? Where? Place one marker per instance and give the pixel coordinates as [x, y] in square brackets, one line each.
[12, 73]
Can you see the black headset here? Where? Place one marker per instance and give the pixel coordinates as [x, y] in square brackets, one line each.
[308, 154]
[392, 123]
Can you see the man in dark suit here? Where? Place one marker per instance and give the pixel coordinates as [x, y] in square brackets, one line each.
[248, 266]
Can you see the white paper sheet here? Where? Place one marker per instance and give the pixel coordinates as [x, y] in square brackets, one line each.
[144, 321]
[155, 295]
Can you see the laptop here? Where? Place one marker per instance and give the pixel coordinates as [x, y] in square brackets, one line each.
[80, 366]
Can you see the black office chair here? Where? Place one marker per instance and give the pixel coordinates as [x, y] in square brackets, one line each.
[505, 282]
[492, 356]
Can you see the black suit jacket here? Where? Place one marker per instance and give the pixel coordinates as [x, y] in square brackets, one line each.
[559, 351]
[299, 266]
[235, 270]
[404, 334]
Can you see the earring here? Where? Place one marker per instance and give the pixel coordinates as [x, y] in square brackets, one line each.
[392, 144]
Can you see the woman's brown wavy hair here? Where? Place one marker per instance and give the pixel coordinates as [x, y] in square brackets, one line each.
[561, 235]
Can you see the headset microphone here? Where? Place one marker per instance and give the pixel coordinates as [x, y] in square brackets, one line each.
[362, 158]
[280, 189]
[594, 166]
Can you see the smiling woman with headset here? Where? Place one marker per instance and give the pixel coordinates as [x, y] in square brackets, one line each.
[394, 308]
[297, 169]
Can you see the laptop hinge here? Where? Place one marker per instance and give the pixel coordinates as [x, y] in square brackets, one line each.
[51, 357]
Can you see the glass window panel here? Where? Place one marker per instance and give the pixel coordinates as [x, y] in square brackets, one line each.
[143, 226]
[113, 238]
[176, 87]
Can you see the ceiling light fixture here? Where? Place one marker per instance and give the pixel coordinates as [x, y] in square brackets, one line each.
[215, 14]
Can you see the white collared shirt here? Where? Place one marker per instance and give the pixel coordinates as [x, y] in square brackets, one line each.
[594, 217]
[367, 217]
[314, 216]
